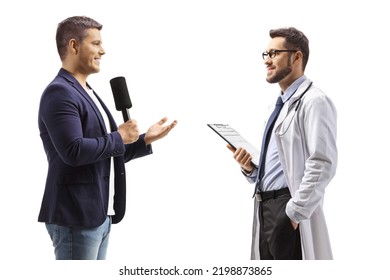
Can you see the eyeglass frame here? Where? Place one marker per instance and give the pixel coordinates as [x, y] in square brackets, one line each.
[272, 53]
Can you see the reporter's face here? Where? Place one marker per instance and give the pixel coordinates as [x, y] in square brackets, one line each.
[90, 52]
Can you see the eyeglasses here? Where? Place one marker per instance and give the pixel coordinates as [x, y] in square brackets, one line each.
[271, 54]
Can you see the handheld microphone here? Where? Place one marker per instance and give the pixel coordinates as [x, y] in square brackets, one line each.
[121, 96]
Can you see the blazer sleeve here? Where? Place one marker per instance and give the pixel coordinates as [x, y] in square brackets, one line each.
[137, 149]
[73, 128]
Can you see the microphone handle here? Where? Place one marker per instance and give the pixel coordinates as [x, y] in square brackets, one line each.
[126, 114]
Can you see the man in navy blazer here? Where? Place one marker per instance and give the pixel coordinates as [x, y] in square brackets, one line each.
[86, 182]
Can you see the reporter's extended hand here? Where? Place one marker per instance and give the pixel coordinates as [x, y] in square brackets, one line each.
[158, 131]
[243, 158]
[129, 131]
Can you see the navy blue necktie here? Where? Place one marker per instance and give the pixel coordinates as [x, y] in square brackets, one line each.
[267, 136]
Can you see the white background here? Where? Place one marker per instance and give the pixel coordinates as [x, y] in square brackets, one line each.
[199, 62]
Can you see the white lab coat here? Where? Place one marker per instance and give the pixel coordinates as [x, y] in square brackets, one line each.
[306, 139]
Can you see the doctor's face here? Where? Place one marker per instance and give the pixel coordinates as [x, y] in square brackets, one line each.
[278, 61]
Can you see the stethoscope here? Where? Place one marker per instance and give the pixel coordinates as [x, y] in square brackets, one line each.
[300, 97]
[297, 102]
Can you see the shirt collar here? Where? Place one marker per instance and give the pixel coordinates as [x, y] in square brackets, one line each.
[292, 88]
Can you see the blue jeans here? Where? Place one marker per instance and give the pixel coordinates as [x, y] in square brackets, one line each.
[79, 243]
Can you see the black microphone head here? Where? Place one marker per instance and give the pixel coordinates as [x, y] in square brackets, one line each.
[121, 94]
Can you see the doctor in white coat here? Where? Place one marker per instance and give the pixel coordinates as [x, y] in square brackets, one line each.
[300, 161]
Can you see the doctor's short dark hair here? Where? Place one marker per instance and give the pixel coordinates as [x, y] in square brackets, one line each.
[73, 28]
[294, 40]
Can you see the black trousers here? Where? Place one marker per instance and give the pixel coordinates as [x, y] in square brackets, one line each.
[278, 238]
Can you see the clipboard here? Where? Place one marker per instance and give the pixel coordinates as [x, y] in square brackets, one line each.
[232, 137]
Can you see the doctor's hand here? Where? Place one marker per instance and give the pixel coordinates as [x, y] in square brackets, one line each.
[129, 131]
[158, 131]
[243, 158]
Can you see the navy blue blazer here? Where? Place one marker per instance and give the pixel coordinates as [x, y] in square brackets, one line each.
[79, 152]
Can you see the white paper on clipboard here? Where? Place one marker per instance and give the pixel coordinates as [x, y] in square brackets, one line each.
[232, 137]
